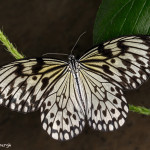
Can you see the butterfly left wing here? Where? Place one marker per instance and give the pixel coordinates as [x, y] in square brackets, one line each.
[62, 113]
[24, 84]
[28, 84]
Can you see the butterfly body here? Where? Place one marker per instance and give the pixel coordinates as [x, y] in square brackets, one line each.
[74, 68]
[69, 93]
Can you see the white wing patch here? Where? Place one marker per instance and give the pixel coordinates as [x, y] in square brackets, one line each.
[61, 113]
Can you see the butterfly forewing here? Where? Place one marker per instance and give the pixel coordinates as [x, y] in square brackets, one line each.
[125, 60]
[25, 84]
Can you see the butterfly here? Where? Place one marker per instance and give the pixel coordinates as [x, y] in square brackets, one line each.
[71, 93]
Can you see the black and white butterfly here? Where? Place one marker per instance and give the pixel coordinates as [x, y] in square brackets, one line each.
[70, 93]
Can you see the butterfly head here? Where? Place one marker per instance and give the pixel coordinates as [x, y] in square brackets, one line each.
[71, 57]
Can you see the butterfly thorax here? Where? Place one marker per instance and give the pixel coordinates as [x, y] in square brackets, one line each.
[73, 64]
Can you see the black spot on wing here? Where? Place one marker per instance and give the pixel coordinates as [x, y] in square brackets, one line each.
[113, 111]
[115, 101]
[51, 124]
[49, 103]
[45, 82]
[37, 67]
[69, 113]
[74, 116]
[123, 47]
[100, 48]
[34, 77]
[107, 53]
[104, 113]
[113, 61]
[127, 62]
[104, 52]
[95, 112]
[112, 89]
[58, 122]
[107, 69]
[146, 39]
[99, 107]
[19, 69]
[52, 115]
[66, 121]
[141, 62]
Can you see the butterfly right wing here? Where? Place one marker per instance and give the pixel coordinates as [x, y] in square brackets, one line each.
[124, 60]
[106, 105]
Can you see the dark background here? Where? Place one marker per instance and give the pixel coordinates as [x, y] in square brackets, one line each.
[37, 27]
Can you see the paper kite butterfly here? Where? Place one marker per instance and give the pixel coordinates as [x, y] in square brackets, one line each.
[70, 93]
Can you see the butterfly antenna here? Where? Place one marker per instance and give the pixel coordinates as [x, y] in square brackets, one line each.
[77, 42]
[55, 54]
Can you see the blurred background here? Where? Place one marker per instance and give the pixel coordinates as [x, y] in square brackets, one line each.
[37, 27]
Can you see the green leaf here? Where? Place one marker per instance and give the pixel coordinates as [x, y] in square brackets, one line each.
[121, 17]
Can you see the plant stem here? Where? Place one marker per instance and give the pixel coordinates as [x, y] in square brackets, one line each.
[139, 109]
[10, 46]
[17, 55]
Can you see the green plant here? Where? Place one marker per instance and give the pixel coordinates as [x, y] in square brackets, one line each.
[9, 46]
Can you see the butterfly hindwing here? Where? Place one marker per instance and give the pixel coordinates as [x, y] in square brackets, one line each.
[25, 83]
[107, 108]
[61, 113]
[125, 60]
